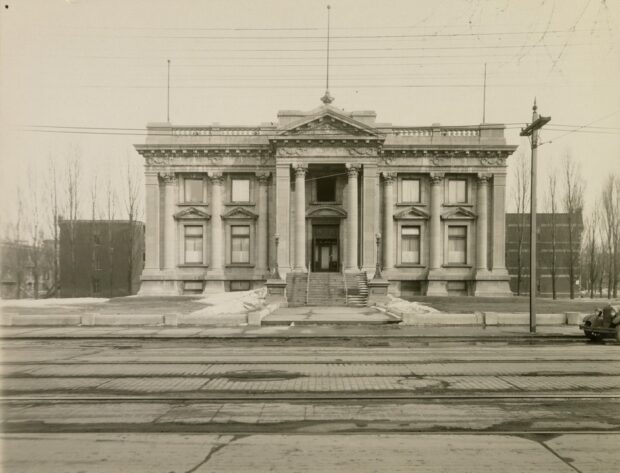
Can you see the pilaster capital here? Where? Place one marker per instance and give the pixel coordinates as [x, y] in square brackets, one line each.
[389, 177]
[167, 177]
[262, 177]
[300, 170]
[484, 178]
[436, 178]
[216, 177]
[353, 169]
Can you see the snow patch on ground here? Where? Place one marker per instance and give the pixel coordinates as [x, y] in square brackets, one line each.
[232, 302]
[396, 303]
[59, 301]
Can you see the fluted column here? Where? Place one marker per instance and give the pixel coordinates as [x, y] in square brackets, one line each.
[262, 230]
[170, 233]
[217, 248]
[352, 218]
[388, 224]
[435, 224]
[300, 217]
[482, 224]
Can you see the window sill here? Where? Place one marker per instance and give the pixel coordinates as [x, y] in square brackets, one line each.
[240, 265]
[316, 202]
[458, 205]
[192, 265]
[409, 204]
[242, 204]
[192, 204]
[409, 265]
[457, 265]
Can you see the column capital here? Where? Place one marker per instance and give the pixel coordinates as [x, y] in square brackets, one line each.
[353, 169]
[262, 177]
[300, 169]
[389, 177]
[216, 177]
[484, 177]
[167, 177]
[436, 178]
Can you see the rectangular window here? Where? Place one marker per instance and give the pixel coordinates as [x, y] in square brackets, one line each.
[410, 245]
[96, 286]
[193, 190]
[457, 191]
[457, 245]
[410, 190]
[193, 244]
[240, 190]
[240, 243]
[326, 189]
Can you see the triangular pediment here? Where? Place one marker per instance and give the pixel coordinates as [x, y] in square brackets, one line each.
[326, 211]
[239, 212]
[411, 213]
[329, 123]
[192, 213]
[458, 213]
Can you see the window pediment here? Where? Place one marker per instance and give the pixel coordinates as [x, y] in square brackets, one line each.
[239, 213]
[459, 213]
[412, 213]
[191, 213]
[326, 211]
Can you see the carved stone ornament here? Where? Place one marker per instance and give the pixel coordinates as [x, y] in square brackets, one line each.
[326, 151]
[262, 177]
[483, 178]
[440, 160]
[157, 160]
[167, 177]
[389, 177]
[491, 160]
[300, 170]
[353, 169]
[216, 177]
[436, 178]
[360, 151]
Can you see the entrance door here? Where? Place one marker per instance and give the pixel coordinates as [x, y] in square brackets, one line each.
[325, 251]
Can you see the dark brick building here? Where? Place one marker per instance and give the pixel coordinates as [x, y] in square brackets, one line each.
[100, 258]
[518, 230]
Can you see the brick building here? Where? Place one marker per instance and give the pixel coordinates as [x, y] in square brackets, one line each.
[100, 258]
[518, 230]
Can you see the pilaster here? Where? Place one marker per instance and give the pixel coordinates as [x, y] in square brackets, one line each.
[369, 211]
[388, 220]
[170, 231]
[300, 217]
[215, 276]
[283, 212]
[262, 230]
[436, 283]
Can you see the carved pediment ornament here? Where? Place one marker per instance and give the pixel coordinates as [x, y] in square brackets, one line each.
[239, 212]
[326, 211]
[167, 177]
[191, 213]
[459, 213]
[412, 213]
[157, 160]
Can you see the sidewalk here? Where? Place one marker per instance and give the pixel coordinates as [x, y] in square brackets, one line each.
[307, 331]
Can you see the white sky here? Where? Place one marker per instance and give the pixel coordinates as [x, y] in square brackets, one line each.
[102, 64]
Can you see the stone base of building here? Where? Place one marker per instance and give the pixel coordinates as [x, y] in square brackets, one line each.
[489, 284]
[159, 287]
[437, 287]
[214, 286]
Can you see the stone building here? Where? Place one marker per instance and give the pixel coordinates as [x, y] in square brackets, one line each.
[322, 186]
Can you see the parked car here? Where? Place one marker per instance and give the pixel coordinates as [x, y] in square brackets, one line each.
[604, 323]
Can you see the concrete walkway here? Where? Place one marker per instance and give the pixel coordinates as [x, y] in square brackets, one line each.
[167, 453]
[315, 315]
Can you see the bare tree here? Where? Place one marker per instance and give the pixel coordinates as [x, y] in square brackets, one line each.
[54, 214]
[573, 204]
[35, 230]
[109, 214]
[94, 237]
[553, 210]
[610, 207]
[521, 197]
[591, 257]
[133, 207]
[72, 201]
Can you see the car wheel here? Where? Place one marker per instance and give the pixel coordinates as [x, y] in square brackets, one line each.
[594, 336]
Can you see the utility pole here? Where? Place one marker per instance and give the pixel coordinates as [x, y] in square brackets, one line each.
[532, 130]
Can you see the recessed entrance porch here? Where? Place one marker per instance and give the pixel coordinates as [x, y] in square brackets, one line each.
[325, 248]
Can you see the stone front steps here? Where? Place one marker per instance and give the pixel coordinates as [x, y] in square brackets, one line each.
[296, 287]
[357, 289]
[326, 289]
